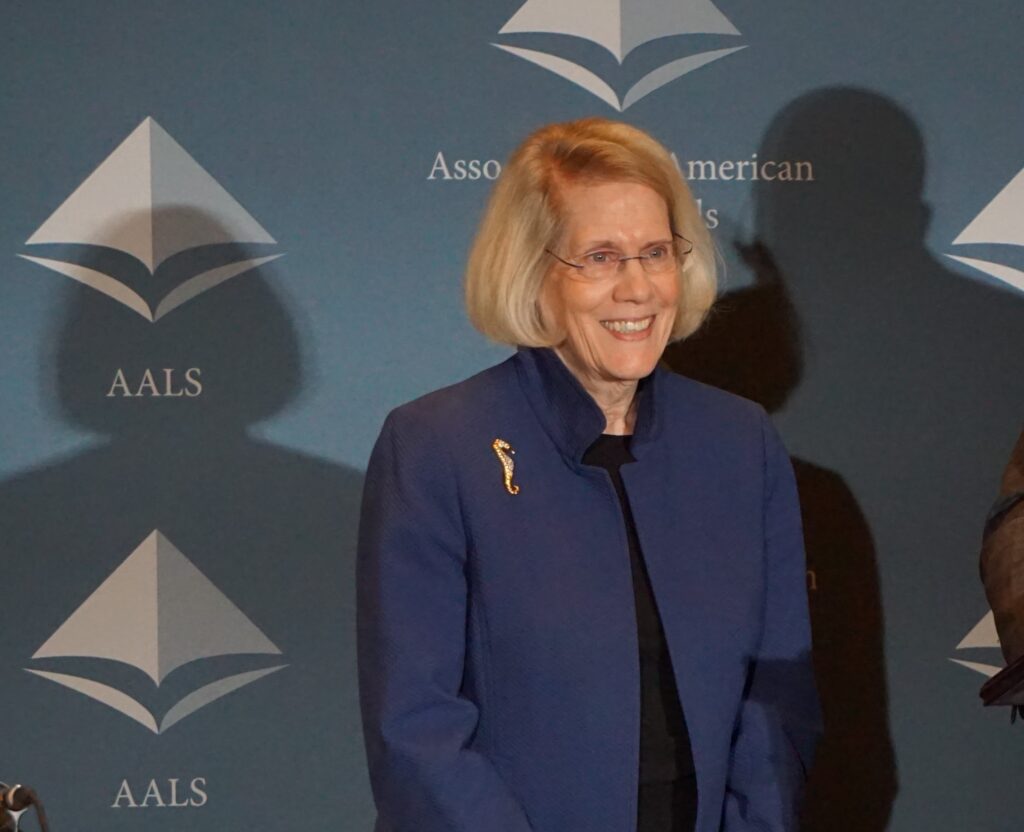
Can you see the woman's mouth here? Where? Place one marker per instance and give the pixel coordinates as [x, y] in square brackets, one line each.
[628, 326]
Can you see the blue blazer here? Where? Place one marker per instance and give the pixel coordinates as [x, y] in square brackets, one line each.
[498, 655]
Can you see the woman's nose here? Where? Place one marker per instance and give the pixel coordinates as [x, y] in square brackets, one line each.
[632, 283]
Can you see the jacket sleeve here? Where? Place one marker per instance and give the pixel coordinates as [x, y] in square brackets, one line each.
[411, 627]
[780, 721]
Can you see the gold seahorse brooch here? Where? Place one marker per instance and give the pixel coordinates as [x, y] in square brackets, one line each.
[504, 452]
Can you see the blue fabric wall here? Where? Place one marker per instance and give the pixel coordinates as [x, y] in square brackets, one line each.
[176, 548]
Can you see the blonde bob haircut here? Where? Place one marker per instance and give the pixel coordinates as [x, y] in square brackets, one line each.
[525, 215]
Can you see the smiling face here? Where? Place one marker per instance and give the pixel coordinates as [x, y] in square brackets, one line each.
[616, 327]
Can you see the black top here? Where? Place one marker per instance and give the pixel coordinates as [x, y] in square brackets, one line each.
[665, 754]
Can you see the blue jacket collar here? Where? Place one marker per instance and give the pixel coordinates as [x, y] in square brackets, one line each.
[567, 412]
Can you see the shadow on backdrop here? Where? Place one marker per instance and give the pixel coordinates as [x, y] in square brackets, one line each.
[272, 529]
[753, 344]
[912, 389]
[906, 379]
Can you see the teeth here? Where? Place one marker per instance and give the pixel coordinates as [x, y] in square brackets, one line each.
[628, 326]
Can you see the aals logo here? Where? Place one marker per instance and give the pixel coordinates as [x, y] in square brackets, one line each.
[620, 26]
[156, 613]
[1000, 223]
[982, 640]
[149, 204]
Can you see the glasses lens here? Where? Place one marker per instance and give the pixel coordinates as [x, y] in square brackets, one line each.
[655, 259]
[599, 264]
[658, 258]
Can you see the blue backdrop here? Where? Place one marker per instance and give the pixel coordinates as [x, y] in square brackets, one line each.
[247, 225]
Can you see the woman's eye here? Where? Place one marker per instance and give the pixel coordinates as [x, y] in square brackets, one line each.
[657, 252]
[599, 258]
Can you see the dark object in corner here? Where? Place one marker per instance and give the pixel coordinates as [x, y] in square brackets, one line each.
[1006, 687]
[1002, 572]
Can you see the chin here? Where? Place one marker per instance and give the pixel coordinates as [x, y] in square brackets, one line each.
[632, 367]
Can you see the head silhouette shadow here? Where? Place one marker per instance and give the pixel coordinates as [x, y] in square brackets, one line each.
[171, 402]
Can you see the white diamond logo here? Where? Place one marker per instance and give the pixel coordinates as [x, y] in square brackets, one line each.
[1001, 222]
[157, 613]
[983, 635]
[151, 200]
[620, 26]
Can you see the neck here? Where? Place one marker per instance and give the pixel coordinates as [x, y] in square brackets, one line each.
[616, 398]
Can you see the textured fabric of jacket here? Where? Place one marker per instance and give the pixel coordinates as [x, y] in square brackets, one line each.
[1002, 558]
[498, 658]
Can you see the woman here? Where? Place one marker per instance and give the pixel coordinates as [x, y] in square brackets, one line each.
[581, 578]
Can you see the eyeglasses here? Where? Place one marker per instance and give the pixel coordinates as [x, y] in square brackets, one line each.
[654, 259]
